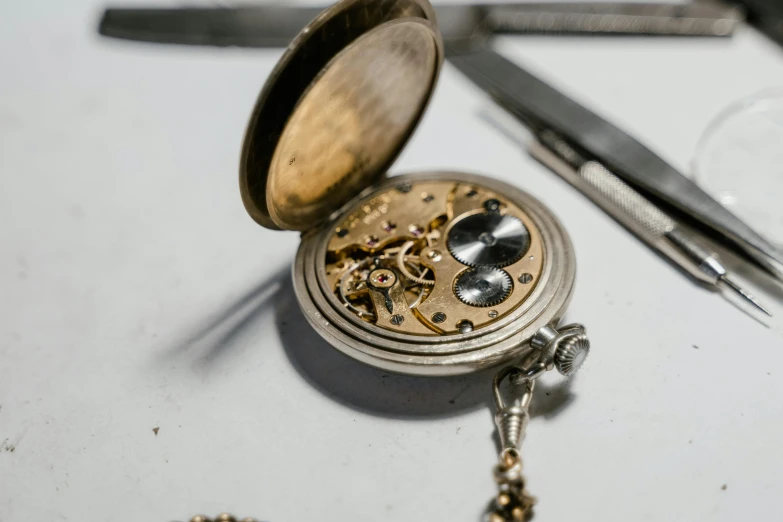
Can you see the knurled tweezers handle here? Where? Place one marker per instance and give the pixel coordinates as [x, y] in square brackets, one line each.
[627, 206]
[626, 200]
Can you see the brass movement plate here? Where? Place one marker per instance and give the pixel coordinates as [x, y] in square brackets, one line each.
[388, 260]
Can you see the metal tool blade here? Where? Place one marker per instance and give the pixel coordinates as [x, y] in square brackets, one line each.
[767, 16]
[270, 26]
[542, 107]
[674, 19]
[256, 26]
[277, 25]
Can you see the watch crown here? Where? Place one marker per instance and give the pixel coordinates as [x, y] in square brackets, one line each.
[571, 353]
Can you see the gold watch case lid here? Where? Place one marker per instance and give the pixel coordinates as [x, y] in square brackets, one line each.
[337, 109]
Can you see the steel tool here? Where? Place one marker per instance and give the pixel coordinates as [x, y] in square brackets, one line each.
[542, 108]
[276, 25]
[766, 16]
[636, 213]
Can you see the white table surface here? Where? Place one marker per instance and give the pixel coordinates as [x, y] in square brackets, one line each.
[138, 295]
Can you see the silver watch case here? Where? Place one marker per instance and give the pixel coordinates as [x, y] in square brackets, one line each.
[506, 340]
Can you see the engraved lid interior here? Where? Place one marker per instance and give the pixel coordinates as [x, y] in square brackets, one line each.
[338, 109]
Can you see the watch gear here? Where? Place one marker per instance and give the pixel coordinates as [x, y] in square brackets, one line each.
[488, 239]
[483, 286]
[401, 265]
[352, 284]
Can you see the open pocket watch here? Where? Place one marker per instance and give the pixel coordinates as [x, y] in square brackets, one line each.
[428, 273]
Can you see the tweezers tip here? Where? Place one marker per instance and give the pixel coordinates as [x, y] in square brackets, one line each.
[749, 298]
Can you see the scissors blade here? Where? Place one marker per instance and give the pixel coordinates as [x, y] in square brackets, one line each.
[541, 107]
[277, 25]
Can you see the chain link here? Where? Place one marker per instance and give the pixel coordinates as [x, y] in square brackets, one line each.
[513, 503]
[223, 517]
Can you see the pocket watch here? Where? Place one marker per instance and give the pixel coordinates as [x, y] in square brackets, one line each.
[428, 273]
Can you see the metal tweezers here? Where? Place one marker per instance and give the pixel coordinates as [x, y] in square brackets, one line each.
[615, 170]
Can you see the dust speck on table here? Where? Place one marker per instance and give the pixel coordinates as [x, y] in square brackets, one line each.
[695, 347]
[155, 431]
[723, 487]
